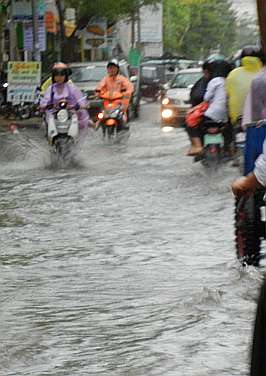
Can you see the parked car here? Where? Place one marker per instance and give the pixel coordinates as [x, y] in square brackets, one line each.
[176, 96]
[86, 76]
[153, 74]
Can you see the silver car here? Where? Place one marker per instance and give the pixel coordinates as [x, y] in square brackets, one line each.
[176, 97]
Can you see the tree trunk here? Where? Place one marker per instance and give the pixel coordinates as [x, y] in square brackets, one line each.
[261, 7]
[61, 29]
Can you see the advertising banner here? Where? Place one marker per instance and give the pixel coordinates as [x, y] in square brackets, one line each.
[28, 36]
[23, 79]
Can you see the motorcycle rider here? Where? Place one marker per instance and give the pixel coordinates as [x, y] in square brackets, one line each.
[255, 110]
[215, 95]
[115, 82]
[239, 81]
[199, 88]
[62, 89]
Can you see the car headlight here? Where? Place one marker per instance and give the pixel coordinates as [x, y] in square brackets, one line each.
[62, 116]
[167, 113]
[166, 101]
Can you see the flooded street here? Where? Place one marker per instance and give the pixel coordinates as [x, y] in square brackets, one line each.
[123, 264]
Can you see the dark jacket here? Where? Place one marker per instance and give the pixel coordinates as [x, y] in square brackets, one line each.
[198, 91]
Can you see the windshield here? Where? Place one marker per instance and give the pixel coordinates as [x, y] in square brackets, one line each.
[148, 72]
[184, 80]
[89, 73]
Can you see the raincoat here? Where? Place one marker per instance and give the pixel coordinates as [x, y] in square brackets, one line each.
[117, 83]
[238, 84]
[72, 94]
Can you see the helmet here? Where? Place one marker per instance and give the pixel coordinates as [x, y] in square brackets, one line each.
[113, 62]
[220, 68]
[215, 57]
[60, 69]
[251, 51]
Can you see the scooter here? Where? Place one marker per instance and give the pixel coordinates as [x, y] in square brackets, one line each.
[213, 144]
[250, 212]
[112, 118]
[62, 130]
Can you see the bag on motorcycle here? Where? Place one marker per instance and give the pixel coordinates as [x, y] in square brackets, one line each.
[195, 114]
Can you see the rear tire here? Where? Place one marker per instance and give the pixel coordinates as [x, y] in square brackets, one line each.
[211, 159]
[248, 229]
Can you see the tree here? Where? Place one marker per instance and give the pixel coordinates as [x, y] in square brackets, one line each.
[194, 28]
[247, 33]
[113, 10]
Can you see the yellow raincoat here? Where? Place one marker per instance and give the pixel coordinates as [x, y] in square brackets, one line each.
[238, 83]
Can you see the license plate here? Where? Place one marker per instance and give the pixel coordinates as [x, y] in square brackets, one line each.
[240, 137]
[213, 139]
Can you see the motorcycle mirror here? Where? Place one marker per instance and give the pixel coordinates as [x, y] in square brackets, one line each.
[133, 78]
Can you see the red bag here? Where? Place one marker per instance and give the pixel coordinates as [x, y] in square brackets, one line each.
[195, 114]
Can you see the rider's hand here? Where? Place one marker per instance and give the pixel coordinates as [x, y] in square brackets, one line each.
[245, 186]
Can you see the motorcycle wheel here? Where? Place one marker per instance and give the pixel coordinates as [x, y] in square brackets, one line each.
[212, 158]
[63, 145]
[248, 230]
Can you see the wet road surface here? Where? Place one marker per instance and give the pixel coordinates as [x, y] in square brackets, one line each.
[122, 264]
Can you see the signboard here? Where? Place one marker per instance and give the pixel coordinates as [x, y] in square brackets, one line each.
[23, 79]
[28, 36]
[22, 9]
[95, 35]
[134, 57]
[151, 24]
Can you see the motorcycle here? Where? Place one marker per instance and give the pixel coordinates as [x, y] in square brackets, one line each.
[213, 144]
[19, 110]
[112, 118]
[250, 212]
[62, 130]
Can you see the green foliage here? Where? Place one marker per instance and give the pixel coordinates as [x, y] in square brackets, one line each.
[195, 28]
[112, 9]
[246, 33]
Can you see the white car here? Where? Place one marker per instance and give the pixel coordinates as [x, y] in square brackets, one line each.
[176, 97]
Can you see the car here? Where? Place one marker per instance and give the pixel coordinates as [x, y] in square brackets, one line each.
[175, 100]
[86, 76]
[153, 74]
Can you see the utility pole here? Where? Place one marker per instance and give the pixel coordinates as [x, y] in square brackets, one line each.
[35, 30]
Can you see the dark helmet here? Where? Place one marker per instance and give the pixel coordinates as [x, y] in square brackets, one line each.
[251, 51]
[60, 69]
[220, 68]
[113, 62]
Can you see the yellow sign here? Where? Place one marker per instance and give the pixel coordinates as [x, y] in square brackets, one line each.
[21, 72]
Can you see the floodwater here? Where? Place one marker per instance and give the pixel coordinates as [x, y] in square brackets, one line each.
[122, 264]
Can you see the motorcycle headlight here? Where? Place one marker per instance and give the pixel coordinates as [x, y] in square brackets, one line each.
[62, 116]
